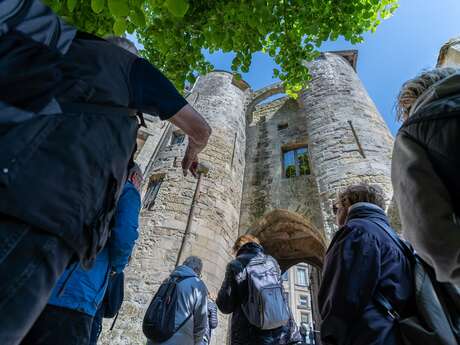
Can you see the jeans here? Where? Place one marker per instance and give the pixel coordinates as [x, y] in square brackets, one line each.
[60, 326]
[31, 262]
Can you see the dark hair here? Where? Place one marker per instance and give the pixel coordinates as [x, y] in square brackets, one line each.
[242, 240]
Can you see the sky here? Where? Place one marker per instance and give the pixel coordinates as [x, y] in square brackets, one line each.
[403, 46]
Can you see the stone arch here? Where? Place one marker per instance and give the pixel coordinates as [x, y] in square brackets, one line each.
[260, 95]
[290, 238]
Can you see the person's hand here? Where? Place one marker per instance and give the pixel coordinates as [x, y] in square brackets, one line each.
[190, 160]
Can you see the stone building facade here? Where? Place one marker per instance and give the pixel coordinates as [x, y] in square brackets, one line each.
[276, 166]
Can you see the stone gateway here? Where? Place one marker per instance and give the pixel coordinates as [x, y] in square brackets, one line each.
[275, 168]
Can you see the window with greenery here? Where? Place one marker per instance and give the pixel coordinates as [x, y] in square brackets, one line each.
[152, 192]
[295, 162]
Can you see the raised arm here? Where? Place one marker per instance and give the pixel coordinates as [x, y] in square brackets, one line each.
[198, 131]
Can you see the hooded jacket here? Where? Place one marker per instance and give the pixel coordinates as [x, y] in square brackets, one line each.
[234, 292]
[361, 260]
[425, 167]
[83, 290]
[192, 300]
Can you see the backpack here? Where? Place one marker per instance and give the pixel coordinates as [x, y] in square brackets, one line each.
[265, 308]
[436, 320]
[159, 320]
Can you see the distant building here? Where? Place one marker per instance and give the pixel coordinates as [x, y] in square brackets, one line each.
[297, 287]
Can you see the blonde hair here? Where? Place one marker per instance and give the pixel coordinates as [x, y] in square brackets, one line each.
[413, 88]
[362, 193]
[242, 240]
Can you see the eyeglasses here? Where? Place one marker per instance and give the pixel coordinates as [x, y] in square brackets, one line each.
[335, 209]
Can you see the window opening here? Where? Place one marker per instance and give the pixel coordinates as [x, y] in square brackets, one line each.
[282, 126]
[295, 162]
[303, 301]
[177, 138]
[302, 276]
[152, 191]
[305, 318]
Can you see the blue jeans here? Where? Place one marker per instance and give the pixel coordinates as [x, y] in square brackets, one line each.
[31, 262]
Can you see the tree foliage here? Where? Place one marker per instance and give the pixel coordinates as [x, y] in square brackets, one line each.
[176, 32]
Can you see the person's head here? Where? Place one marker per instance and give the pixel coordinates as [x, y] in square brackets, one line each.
[124, 43]
[195, 263]
[135, 176]
[354, 194]
[414, 88]
[242, 240]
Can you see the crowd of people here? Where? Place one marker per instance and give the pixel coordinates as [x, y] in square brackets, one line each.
[70, 202]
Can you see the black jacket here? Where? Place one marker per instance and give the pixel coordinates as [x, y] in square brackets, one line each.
[234, 293]
[63, 173]
[361, 260]
[425, 175]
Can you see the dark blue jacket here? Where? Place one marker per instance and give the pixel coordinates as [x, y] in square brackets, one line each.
[234, 293]
[361, 260]
[85, 289]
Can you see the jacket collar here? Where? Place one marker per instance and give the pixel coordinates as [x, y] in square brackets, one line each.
[366, 210]
[356, 211]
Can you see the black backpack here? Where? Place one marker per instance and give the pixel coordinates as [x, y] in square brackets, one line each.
[159, 320]
[436, 320]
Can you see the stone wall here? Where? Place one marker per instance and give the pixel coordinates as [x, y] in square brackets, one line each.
[349, 140]
[265, 186]
[221, 100]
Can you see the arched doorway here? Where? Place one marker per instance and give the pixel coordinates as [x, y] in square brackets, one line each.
[290, 238]
[299, 248]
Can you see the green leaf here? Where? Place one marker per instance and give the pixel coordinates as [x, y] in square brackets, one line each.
[97, 5]
[178, 8]
[119, 27]
[138, 17]
[71, 4]
[118, 8]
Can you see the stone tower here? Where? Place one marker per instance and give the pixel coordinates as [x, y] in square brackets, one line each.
[276, 166]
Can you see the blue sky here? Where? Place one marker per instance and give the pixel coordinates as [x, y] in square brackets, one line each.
[403, 46]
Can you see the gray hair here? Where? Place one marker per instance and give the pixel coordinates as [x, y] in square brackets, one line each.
[124, 43]
[195, 263]
[362, 192]
[414, 88]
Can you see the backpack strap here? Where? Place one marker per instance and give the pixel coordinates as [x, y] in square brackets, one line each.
[379, 298]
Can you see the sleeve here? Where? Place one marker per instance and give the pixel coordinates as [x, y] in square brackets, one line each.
[227, 299]
[200, 316]
[350, 275]
[427, 215]
[212, 310]
[152, 92]
[125, 231]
